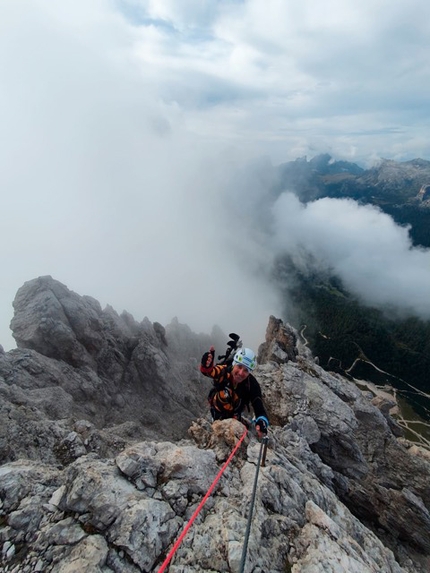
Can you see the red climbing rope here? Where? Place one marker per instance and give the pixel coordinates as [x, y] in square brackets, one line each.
[201, 504]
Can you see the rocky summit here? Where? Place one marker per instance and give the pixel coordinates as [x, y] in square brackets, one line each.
[107, 450]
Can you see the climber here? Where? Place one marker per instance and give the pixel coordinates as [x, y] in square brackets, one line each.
[234, 388]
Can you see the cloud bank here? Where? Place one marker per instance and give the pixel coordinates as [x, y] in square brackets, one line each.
[129, 128]
[372, 255]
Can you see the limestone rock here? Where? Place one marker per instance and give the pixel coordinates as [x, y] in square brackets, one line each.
[107, 451]
[88, 555]
[280, 344]
[75, 360]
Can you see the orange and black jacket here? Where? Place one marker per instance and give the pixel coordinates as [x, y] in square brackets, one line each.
[228, 399]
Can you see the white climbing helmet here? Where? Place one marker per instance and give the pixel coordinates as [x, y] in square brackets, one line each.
[245, 357]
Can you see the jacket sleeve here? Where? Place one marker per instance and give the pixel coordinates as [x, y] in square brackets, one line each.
[256, 398]
[219, 373]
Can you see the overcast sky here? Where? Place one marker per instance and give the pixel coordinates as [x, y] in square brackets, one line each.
[128, 128]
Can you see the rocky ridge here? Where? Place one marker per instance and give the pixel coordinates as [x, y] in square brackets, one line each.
[405, 178]
[106, 450]
[386, 183]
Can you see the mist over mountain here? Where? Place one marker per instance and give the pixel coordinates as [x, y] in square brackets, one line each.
[365, 291]
[369, 227]
[349, 252]
[267, 236]
[400, 189]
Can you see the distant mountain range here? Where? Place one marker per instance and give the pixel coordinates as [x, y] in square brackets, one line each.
[338, 327]
[400, 189]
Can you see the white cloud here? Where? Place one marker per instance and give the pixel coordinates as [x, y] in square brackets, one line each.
[284, 75]
[371, 254]
[102, 185]
[125, 123]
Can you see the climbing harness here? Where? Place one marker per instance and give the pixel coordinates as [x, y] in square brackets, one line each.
[263, 447]
[201, 504]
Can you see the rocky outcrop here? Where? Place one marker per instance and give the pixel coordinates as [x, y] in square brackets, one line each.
[124, 514]
[391, 176]
[280, 344]
[76, 361]
[423, 196]
[373, 470]
[383, 183]
[87, 483]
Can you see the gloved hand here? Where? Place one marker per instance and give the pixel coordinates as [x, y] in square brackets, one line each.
[261, 425]
[208, 358]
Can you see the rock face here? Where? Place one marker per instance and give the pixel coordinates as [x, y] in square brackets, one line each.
[423, 196]
[281, 343]
[75, 360]
[324, 177]
[98, 474]
[406, 177]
